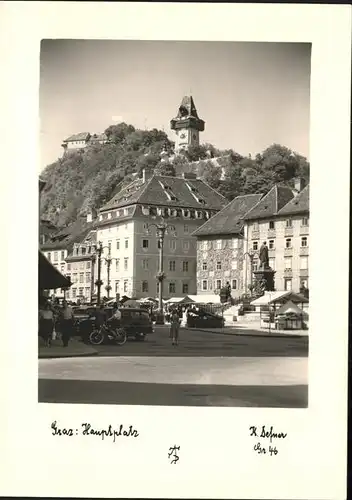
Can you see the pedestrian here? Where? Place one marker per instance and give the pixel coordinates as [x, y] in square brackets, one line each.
[67, 323]
[46, 324]
[174, 327]
[100, 316]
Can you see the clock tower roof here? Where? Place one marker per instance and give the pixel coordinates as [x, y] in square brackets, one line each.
[187, 116]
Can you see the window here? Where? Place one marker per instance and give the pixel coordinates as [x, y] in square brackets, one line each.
[126, 243]
[145, 243]
[172, 265]
[305, 221]
[88, 264]
[109, 246]
[304, 262]
[218, 284]
[185, 229]
[271, 224]
[185, 288]
[255, 226]
[80, 292]
[186, 245]
[304, 241]
[81, 277]
[87, 276]
[81, 265]
[288, 284]
[145, 264]
[74, 292]
[234, 284]
[117, 244]
[117, 286]
[255, 265]
[125, 286]
[125, 263]
[204, 285]
[288, 263]
[172, 288]
[218, 244]
[255, 245]
[234, 243]
[117, 266]
[271, 244]
[144, 286]
[62, 254]
[62, 268]
[272, 263]
[205, 266]
[87, 292]
[289, 223]
[185, 266]
[218, 265]
[49, 256]
[74, 277]
[83, 250]
[288, 243]
[56, 258]
[234, 265]
[77, 250]
[68, 267]
[172, 244]
[203, 245]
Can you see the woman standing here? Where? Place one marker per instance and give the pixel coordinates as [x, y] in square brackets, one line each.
[46, 324]
[174, 327]
[67, 323]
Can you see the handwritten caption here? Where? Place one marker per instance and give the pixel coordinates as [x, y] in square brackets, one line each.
[268, 437]
[172, 455]
[86, 429]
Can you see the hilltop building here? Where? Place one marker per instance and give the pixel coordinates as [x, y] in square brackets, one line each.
[82, 140]
[125, 228]
[187, 125]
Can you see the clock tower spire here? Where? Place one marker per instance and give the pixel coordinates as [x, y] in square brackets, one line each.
[187, 125]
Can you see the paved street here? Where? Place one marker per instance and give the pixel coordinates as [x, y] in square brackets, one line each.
[206, 369]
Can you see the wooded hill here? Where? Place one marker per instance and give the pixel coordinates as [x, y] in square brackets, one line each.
[88, 178]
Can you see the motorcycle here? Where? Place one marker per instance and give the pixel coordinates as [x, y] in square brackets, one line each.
[105, 332]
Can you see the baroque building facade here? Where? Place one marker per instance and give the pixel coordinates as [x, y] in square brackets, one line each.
[126, 228]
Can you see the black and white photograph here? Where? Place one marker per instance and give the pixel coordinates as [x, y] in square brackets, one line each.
[174, 223]
[175, 206]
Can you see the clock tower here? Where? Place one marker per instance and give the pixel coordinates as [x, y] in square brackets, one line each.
[187, 125]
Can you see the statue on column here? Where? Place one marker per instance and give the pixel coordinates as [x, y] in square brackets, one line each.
[264, 256]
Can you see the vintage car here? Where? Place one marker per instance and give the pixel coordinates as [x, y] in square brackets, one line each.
[136, 322]
[204, 319]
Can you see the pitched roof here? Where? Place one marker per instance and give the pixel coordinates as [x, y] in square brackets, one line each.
[82, 136]
[99, 137]
[230, 219]
[168, 191]
[188, 104]
[66, 237]
[271, 203]
[298, 204]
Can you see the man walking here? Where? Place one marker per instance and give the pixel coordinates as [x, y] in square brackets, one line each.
[174, 327]
[67, 323]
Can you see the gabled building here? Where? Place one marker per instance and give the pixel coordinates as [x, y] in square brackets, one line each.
[220, 247]
[76, 141]
[281, 219]
[125, 227]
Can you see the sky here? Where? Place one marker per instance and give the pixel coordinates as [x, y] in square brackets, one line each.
[250, 95]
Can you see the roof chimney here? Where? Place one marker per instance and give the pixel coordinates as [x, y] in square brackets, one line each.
[299, 184]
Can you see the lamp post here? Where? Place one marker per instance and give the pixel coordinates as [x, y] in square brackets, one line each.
[161, 229]
[98, 252]
[108, 261]
[251, 254]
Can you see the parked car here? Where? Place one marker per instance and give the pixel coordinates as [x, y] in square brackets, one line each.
[136, 322]
[204, 319]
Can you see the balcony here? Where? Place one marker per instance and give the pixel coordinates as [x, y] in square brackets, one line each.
[288, 273]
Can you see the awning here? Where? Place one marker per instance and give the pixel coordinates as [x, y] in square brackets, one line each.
[205, 299]
[49, 278]
[279, 298]
[179, 300]
[290, 307]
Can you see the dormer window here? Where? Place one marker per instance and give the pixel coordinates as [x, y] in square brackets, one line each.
[271, 224]
[199, 215]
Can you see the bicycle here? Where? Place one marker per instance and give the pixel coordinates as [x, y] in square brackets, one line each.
[99, 335]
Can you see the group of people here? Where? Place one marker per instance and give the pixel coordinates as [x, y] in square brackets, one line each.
[53, 317]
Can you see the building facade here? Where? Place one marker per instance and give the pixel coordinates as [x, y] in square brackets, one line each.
[82, 140]
[281, 219]
[128, 234]
[220, 248]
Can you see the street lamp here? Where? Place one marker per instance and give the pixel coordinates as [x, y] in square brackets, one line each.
[251, 254]
[161, 229]
[108, 261]
[98, 252]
